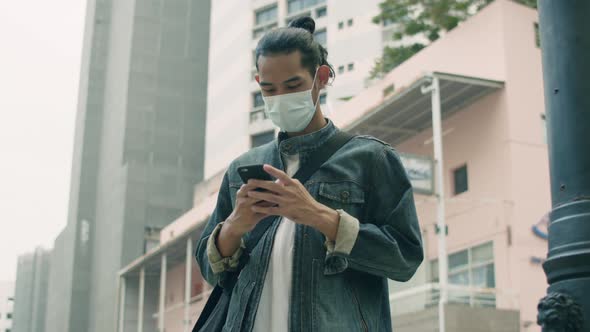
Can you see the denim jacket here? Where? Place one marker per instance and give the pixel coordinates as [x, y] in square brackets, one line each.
[331, 290]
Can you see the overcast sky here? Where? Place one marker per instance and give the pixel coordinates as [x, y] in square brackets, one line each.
[40, 50]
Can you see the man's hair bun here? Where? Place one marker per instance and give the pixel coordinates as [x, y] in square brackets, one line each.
[304, 22]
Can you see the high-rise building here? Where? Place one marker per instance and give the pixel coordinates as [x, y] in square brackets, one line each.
[30, 294]
[138, 151]
[6, 305]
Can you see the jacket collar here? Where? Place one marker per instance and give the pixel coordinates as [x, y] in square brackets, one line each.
[304, 143]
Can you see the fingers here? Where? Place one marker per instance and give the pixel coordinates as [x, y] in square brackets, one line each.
[243, 191]
[270, 211]
[277, 173]
[265, 204]
[265, 196]
[268, 185]
[248, 201]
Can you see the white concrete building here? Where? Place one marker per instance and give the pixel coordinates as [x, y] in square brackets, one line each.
[6, 305]
[235, 109]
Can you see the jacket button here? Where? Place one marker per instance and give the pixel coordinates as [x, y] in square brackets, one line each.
[344, 195]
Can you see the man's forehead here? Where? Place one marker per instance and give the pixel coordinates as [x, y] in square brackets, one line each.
[280, 67]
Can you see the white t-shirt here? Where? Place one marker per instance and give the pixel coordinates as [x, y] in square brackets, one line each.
[273, 309]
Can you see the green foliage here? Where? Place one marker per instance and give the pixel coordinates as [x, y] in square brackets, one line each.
[422, 18]
[392, 57]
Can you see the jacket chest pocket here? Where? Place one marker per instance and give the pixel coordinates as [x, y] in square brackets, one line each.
[345, 195]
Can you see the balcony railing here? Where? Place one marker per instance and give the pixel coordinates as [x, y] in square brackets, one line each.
[428, 295]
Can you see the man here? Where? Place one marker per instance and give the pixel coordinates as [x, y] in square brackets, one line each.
[322, 266]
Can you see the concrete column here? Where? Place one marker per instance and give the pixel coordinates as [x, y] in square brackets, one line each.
[434, 89]
[188, 284]
[161, 318]
[122, 292]
[141, 300]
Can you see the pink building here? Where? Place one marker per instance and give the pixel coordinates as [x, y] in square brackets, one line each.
[495, 181]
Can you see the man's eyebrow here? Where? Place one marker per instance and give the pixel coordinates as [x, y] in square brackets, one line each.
[290, 80]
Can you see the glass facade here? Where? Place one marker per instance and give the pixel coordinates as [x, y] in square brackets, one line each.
[473, 267]
[266, 15]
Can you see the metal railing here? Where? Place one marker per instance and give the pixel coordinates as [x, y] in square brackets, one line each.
[428, 295]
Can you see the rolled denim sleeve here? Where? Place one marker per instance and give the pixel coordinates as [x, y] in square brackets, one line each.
[216, 271]
[348, 230]
[216, 260]
[389, 241]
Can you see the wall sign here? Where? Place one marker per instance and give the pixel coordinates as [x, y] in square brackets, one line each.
[420, 170]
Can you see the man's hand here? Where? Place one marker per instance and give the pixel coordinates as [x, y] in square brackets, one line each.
[243, 218]
[294, 202]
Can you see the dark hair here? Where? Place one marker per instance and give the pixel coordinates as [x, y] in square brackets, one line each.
[298, 36]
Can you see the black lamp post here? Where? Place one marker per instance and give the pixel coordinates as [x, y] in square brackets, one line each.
[565, 43]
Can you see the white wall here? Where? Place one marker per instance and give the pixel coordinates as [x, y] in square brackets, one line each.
[228, 94]
[360, 44]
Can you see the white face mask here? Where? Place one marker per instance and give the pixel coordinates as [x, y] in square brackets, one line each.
[291, 112]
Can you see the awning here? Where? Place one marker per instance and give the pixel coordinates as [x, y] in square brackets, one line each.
[408, 112]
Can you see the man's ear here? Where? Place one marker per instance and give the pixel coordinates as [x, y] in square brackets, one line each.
[323, 76]
[257, 78]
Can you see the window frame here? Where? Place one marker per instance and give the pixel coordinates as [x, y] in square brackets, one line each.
[323, 31]
[471, 265]
[454, 177]
[265, 9]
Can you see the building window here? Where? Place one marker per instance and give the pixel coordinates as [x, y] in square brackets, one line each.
[258, 32]
[321, 37]
[351, 66]
[321, 12]
[323, 99]
[387, 22]
[340, 69]
[294, 6]
[537, 35]
[263, 138]
[257, 100]
[350, 22]
[473, 267]
[266, 15]
[9, 315]
[460, 180]
[340, 25]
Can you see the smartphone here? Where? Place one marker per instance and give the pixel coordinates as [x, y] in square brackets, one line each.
[253, 172]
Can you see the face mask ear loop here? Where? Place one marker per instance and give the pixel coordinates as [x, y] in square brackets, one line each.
[315, 104]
